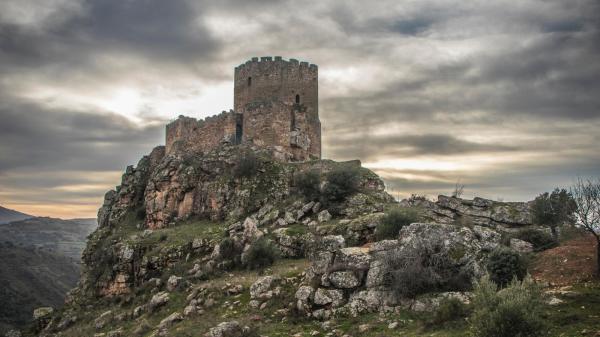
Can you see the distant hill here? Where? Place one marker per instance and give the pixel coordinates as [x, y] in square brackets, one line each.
[64, 237]
[8, 215]
[39, 263]
[32, 277]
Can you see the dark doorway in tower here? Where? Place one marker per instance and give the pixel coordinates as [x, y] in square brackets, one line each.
[249, 81]
[297, 99]
[239, 129]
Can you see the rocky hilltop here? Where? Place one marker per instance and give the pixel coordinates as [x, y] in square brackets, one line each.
[237, 242]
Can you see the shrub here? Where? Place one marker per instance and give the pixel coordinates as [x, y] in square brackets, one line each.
[449, 309]
[247, 165]
[340, 184]
[504, 264]
[262, 253]
[309, 185]
[514, 311]
[539, 239]
[227, 249]
[423, 268]
[393, 221]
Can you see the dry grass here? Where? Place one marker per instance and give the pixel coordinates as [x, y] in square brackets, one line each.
[572, 262]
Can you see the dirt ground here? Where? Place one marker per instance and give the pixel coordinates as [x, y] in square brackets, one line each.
[574, 261]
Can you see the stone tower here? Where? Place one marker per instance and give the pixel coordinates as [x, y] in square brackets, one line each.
[279, 103]
[276, 105]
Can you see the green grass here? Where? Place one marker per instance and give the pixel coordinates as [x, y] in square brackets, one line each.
[580, 312]
[297, 230]
[184, 233]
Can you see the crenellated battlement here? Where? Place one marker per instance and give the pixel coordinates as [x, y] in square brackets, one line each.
[276, 61]
[275, 104]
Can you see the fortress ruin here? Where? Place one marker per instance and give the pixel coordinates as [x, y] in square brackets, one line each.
[275, 105]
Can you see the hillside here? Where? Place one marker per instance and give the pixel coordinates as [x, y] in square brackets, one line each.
[234, 242]
[63, 237]
[31, 278]
[9, 215]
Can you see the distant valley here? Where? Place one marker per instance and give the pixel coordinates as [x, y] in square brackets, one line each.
[40, 261]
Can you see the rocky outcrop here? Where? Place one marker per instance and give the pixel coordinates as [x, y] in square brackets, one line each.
[161, 189]
[164, 190]
[129, 195]
[356, 279]
[479, 211]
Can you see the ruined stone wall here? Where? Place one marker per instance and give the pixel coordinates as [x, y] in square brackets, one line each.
[190, 134]
[279, 101]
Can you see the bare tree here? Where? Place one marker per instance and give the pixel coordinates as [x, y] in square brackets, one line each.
[458, 189]
[586, 193]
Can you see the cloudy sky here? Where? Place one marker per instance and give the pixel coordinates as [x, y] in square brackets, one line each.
[503, 96]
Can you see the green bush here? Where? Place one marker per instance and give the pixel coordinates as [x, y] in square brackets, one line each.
[514, 311]
[393, 221]
[504, 264]
[309, 185]
[539, 239]
[247, 165]
[449, 310]
[227, 249]
[262, 253]
[340, 184]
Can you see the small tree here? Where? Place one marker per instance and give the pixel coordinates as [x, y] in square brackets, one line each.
[309, 185]
[341, 182]
[504, 265]
[553, 209]
[586, 193]
[458, 189]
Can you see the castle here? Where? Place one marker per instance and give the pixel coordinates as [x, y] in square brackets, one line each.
[275, 105]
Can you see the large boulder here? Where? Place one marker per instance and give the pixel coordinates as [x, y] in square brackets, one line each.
[263, 287]
[360, 276]
[227, 329]
[479, 211]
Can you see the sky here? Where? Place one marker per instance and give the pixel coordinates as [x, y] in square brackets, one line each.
[500, 96]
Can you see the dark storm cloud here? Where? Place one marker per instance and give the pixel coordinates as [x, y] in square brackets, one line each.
[170, 33]
[34, 136]
[451, 81]
[368, 147]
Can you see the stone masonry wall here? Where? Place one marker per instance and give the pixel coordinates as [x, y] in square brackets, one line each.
[203, 135]
[276, 105]
[279, 101]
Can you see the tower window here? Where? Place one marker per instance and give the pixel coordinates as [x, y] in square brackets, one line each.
[249, 81]
[297, 99]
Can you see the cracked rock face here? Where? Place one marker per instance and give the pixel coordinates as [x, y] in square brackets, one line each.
[356, 279]
[479, 211]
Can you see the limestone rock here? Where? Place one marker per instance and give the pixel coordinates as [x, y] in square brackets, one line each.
[479, 211]
[158, 300]
[262, 288]
[521, 246]
[344, 279]
[173, 282]
[42, 312]
[103, 319]
[324, 216]
[170, 320]
[334, 297]
[226, 329]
